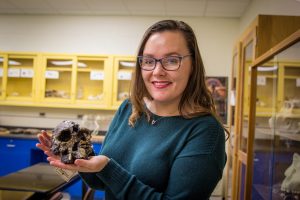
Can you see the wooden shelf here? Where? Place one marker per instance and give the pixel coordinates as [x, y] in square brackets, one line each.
[268, 131]
[295, 137]
[59, 69]
[291, 77]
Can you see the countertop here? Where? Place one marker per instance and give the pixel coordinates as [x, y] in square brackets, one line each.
[39, 181]
[40, 177]
[6, 134]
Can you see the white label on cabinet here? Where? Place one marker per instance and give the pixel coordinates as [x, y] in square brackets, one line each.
[298, 82]
[261, 80]
[1, 71]
[13, 72]
[97, 75]
[27, 73]
[51, 74]
[124, 75]
[232, 97]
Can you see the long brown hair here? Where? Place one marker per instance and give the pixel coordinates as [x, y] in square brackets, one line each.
[196, 94]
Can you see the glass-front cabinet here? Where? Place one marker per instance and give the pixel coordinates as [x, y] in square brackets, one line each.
[261, 91]
[84, 81]
[276, 169]
[17, 77]
[92, 77]
[58, 76]
[123, 72]
[77, 79]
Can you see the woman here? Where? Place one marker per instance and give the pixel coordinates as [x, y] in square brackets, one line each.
[165, 142]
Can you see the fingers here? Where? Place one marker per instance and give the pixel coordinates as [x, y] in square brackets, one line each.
[95, 164]
[51, 158]
[44, 139]
[45, 134]
[50, 154]
[45, 145]
[84, 165]
[42, 147]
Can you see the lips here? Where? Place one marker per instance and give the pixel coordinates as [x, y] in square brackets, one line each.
[161, 84]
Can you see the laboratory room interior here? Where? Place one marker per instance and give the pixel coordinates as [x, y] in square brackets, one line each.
[67, 69]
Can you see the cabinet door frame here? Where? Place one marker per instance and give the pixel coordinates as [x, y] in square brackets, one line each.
[244, 158]
[247, 157]
[117, 59]
[4, 76]
[233, 119]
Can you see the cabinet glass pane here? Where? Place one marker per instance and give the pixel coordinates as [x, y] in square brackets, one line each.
[233, 88]
[276, 169]
[20, 77]
[248, 55]
[233, 100]
[124, 78]
[292, 87]
[243, 178]
[287, 126]
[1, 75]
[58, 76]
[231, 143]
[267, 78]
[90, 76]
[264, 141]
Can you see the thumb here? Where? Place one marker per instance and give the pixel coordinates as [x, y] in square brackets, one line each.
[81, 163]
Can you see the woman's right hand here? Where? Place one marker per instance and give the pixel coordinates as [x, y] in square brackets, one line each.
[45, 143]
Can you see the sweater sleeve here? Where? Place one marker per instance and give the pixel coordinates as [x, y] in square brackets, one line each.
[193, 175]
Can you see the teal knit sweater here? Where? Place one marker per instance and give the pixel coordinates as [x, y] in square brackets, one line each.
[175, 158]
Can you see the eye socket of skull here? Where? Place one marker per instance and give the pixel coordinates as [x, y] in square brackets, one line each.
[64, 136]
[83, 134]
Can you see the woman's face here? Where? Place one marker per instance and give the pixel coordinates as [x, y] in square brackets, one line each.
[167, 86]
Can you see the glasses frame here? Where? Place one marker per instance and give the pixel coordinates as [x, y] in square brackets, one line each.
[160, 60]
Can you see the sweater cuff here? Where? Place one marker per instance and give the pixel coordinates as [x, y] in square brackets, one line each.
[114, 177]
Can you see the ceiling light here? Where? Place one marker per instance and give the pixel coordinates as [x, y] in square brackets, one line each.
[267, 69]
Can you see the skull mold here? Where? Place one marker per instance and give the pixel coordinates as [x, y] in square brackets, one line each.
[71, 142]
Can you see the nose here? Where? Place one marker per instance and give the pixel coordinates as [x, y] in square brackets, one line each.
[158, 70]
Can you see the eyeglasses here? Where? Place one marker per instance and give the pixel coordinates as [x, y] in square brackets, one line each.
[169, 63]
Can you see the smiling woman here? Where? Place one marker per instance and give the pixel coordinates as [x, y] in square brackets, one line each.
[165, 141]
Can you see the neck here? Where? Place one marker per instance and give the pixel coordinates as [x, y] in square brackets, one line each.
[162, 109]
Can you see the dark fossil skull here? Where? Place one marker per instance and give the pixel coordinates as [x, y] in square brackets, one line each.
[71, 142]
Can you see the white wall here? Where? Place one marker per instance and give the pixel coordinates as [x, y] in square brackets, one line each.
[111, 35]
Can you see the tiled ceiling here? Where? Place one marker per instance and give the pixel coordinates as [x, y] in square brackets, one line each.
[199, 8]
